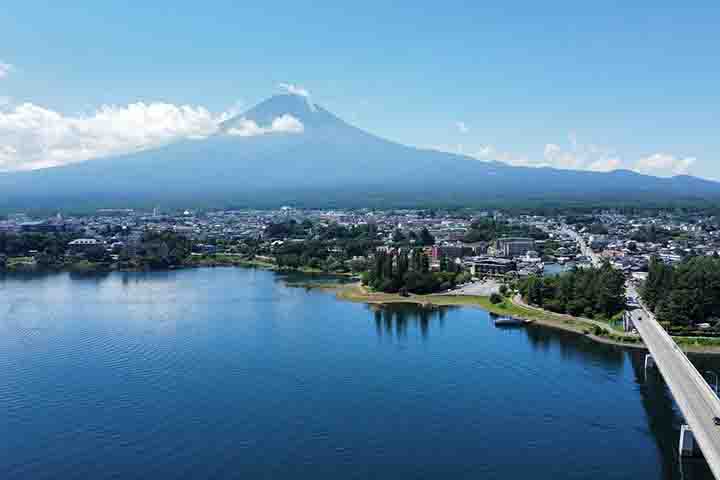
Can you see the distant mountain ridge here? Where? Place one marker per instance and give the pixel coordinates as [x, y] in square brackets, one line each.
[329, 163]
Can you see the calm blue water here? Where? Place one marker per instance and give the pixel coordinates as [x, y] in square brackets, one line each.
[229, 373]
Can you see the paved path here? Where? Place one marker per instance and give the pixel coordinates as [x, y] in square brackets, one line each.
[482, 289]
[518, 300]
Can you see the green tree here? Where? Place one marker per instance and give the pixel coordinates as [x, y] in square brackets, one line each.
[426, 238]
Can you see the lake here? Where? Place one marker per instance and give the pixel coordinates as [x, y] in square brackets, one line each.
[231, 373]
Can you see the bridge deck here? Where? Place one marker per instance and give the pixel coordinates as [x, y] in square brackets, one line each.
[696, 399]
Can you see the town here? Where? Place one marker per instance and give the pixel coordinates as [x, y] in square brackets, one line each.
[482, 243]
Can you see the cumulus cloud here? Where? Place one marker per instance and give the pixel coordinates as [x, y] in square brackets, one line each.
[34, 137]
[606, 164]
[581, 156]
[283, 124]
[576, 155]
[5, 69]
[462, 127]
[490, 153]
[665, 164]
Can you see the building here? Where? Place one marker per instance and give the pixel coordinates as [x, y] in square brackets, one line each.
[451, 251]
[598, 242]
[490, 266]
[511, 247]
[82, 244]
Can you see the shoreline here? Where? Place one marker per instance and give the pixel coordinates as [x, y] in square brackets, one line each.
[355, 292]
[90, 268]
[531, 315]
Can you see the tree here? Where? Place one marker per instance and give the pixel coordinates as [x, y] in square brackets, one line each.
[443, 263]
[496, 298]
[588, 292]
[402, 264]
[426, 238]
[387, 268]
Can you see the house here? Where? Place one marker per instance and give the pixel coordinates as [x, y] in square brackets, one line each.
[83, 244]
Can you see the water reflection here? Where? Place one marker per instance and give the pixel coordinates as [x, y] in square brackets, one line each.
[394, 320]
[442, 384]
[311, 280]
[575, 347]
[664, 421]
[663, 417]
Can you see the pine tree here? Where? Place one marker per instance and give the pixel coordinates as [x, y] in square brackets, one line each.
[443, 263]
[402, 265]
[425, 238]
[425, 263]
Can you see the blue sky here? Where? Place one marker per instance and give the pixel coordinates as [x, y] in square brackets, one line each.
[564, 84]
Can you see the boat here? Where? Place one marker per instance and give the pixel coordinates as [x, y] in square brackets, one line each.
[509, 322]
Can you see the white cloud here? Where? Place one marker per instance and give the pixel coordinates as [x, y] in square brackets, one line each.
[606, 164]
[664, 165]
[489, 153]
[295, 89]
[283, 124]
[6, 69]
[580, 156]
[576, 155]
[462, 127]
[287, 124]
[34, 137]
[557, 157]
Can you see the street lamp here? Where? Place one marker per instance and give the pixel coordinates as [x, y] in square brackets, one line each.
[716, 379]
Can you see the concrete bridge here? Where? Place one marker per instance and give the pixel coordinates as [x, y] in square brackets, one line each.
[696, 399]
[698, 402]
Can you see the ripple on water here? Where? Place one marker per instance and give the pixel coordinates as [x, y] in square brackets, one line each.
[227, 373]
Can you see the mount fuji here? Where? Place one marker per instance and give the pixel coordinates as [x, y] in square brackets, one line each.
[287, 150]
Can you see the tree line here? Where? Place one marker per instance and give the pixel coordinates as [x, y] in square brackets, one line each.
[408, 271]
[486, 230]
[685, 294]
[587, 292]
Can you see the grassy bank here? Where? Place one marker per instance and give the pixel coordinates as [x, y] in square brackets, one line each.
[603, 332]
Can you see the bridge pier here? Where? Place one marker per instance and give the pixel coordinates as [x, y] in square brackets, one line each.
[649, 361]
[688, 447]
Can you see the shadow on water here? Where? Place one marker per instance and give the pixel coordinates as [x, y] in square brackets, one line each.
[394, 320]
[575, 347]
[664, 421]
[310, 280]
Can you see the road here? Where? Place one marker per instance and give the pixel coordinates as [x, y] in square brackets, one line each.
[697, 401]
[584, 248]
